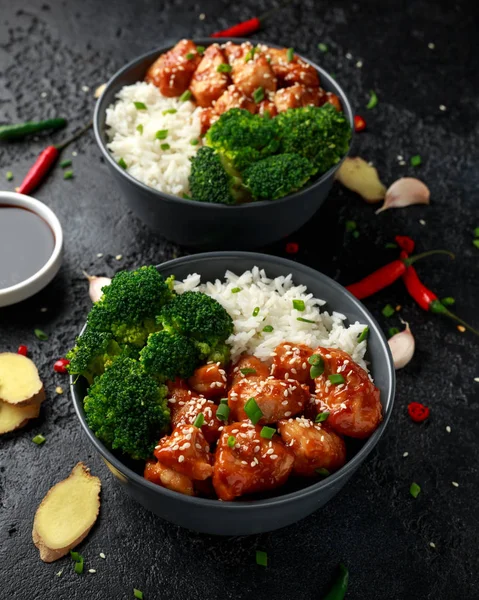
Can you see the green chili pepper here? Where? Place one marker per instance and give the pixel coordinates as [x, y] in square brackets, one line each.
[340, 586]
[18, 130]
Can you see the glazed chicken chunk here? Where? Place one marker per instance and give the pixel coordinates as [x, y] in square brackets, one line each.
[346, 392]
[188, 413]
[293, 71]
[186, 451]
[249, 367]
[209, 380]
[298, 95]
[208, 84]
[168, 478]
[276, 399]
[172, 71]
[291, 362]
[252, 74]
[314, 446]
[234, 98]
[247, 463]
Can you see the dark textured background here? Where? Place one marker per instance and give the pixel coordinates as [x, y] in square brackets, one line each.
[48, 51]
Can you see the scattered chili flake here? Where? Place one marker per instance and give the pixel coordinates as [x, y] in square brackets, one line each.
[373, 100]
[22, 349]
[290, 54]
[415, 160]
[418, 412]
[9, 176]
[388, 311]
[261, 558]
[405, 243]
[350, 225]
[414, 490]
[359, 123]
[41, 335]
[140, 105]
[61, 365]
[363, 335]
[292, 247]
[322, 47]
[224, 68]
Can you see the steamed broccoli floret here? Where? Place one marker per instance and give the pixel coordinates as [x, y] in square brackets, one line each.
[277, 176]
[93, 353]
[169, 355]
[320, 134]
[243, 138]
[130, 304]
[212, 179]
[199, 317]
[127, 409]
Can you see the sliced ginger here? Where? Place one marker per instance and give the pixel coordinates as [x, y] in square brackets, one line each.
[19, 380]
[66, 514]
[13, 416]
[360, 177]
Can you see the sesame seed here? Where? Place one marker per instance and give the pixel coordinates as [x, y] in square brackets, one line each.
[119, 256]
[99, 255]
[400, 157]
[181, 458]
[422, 221]
[287, 413]
[402, 163]
[476, 379]
[448, 429]
[74, 153]
[274, 456]
[442, 107]
[455, 484]
[252, 464]
[59, 390]
[202, 17]
[432, 544]
[43, 95]
[405, 454]
[431, 45]
[44, 310]
[102, 555]
[359, 64]
[349, 56]
[92, 570]
[85, 88]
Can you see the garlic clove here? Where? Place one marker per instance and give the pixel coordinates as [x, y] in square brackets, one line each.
[405, 192]
[96, 285]
[361, 177]
[402, 347]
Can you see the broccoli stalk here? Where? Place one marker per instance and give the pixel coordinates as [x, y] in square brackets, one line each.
[169, 355]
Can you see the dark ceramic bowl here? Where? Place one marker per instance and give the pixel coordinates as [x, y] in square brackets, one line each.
[285, 505]
[212, 226]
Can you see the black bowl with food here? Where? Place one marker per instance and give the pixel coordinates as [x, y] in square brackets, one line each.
[232, 147]
[263, 373]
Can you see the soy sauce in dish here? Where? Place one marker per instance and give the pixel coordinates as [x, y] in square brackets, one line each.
[26, 244]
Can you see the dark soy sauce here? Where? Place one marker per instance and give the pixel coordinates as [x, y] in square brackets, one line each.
[26, 244]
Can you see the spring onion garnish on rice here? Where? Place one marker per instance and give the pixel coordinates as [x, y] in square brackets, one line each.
[161, 134]
[224, 68]
[139, 128]
[253, 411]
[299, 305]
[165, 146]
[267, 432]
[199, 421]
[304, 320]
[364, 335]
[290, 54]
[223, 412]
[231, 441]
[140, 105]
[235, 290]
[321, 417]
[195, 142]
[248, 371]
[122, 164]
[256, 311]
[336, 378]
[169, 111]
[268, 328]
[261, 558]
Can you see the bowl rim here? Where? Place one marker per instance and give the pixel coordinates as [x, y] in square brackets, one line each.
[165, 196]
[21, 289]
[345, 472]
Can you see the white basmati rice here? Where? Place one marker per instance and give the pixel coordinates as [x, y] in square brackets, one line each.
[165, 170]
[274, 297]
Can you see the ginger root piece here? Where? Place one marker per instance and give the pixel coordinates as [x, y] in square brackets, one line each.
[14, 417]
[66, 514]
[360, 177]
[19, 380]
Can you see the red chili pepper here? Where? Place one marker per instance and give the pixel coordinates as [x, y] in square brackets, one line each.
[44, 163]
[426, 298]
[292, 247]
[61, 365]
[405, 243]
[250, 26]
[418, 412]
[22, 349]
[387, 275]
[359, 123]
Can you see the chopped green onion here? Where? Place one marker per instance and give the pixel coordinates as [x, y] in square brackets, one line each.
[388, 311]
[140, 105]
[356, 234]
[267, 432]
[190, 55]
[299, 305]
[258, 95]
[322, 47]
[476, 243]
[261, 558]
[186, 196]
[9, 175]
[256, 311]
[351, 225]
[224, 68]
[248, 371]
[224, 401]
[305, 320]
[415, 490]
[317, 366]
[415, 160]
[186, 95]
[316, 372]
[161, 134]
[321, 417]
[41, 335]
[122, 164]
[250, 54]
[138, 594]
[200, 50]
[223, 412]
[199, 421]
[393, 331]
[79, 566]
[68, 175]
[195, 142]
[253, 411]
[165, 146]
[336, 378]
[169, 111]
[373, 100]
[290, 54]
[363, 335]
[235, 290]
[231, 441]
[65, 163]
[139, 128]
[448, 301]
[268, 328]
[391, 245]
[76, 556]
[476, 230]
[39, 439]
[323, 472]
[315, 359]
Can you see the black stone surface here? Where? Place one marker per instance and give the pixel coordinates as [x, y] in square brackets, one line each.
[48, 51]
